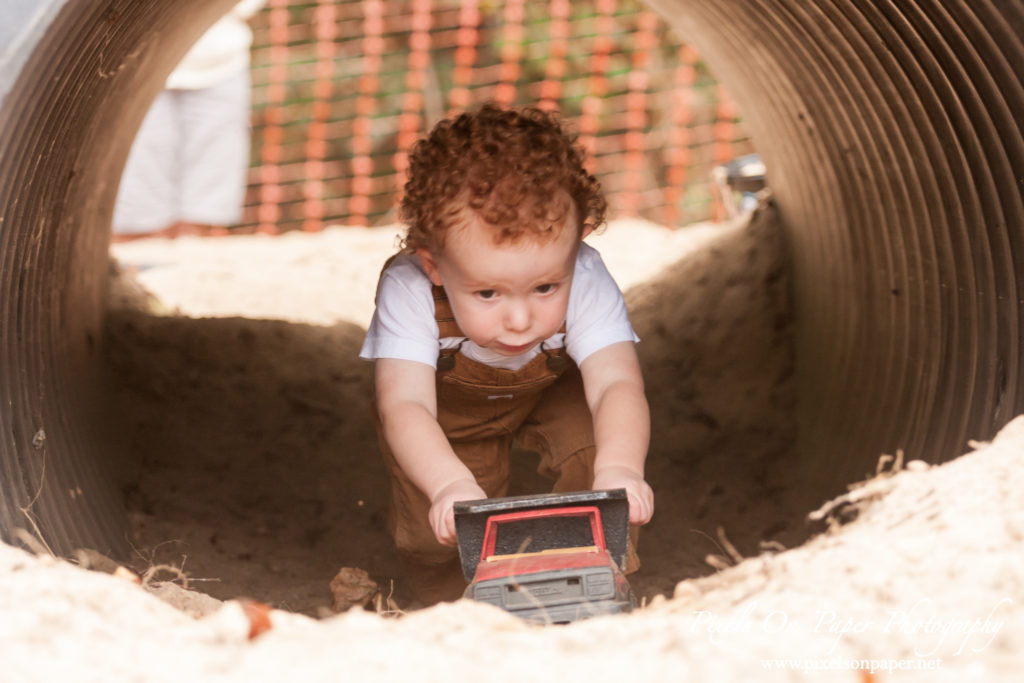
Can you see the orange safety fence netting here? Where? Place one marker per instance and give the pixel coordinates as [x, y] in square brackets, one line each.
[342, 90]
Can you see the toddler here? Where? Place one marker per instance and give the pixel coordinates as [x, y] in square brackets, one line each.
[497, 322]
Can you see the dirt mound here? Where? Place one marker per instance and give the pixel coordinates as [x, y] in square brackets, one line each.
[925, 581]
[253, 462]
[250, 468]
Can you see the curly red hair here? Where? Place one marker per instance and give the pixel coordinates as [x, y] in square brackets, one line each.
[517, 170]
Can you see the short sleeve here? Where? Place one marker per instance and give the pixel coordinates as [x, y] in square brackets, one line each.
[403, 324]
[597, 315]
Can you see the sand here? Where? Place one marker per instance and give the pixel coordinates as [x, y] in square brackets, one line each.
[253, 472]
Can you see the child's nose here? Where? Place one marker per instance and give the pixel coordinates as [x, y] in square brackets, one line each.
[517, 317]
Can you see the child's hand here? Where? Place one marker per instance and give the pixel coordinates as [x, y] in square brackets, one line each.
[442, 510]
[639, 493]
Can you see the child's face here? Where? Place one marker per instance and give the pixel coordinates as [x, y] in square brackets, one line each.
[506, 297]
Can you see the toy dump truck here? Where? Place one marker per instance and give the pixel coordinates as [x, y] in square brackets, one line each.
[551, 558]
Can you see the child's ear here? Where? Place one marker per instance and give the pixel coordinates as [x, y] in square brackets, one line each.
[430, 266]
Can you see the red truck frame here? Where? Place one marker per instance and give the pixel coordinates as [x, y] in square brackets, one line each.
[547, 564]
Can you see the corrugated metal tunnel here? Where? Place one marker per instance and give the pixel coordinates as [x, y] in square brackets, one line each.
[892, 133]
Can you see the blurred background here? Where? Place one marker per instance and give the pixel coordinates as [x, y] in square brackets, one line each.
[342, 90]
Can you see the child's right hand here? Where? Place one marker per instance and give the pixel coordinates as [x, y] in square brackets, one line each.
[442, 507]
[638, 491]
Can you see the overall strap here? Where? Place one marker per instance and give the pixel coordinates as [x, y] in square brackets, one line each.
[443, 314]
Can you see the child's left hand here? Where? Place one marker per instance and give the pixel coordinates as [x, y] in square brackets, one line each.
[638, 491]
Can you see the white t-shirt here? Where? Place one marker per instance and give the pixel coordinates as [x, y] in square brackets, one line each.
[404, 326]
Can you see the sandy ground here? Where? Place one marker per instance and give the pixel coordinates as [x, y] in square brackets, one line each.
[924, 585]
[329, 277]
[247, 410]
[252, 470]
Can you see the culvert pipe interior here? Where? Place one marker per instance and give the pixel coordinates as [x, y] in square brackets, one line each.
[892, 135]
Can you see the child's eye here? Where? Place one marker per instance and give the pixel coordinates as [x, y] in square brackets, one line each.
[545, 289]
[486, 294]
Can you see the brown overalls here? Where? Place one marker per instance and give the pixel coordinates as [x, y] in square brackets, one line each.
[481, 409]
